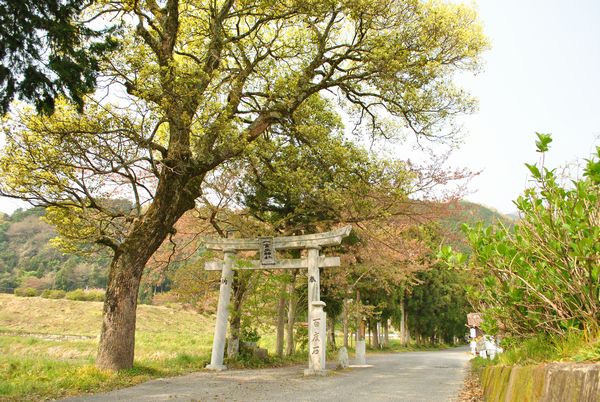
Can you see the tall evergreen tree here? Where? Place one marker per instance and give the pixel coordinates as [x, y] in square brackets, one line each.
[46, 52]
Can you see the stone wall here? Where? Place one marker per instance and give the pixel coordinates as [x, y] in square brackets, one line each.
[545, 382]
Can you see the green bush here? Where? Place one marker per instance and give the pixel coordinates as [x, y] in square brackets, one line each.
[26, 292]
[250, 335]
[95, 295]
[543, 277]
[572, 346]
[86, 295]
[302, 337]
[53, 294]
[77, 294]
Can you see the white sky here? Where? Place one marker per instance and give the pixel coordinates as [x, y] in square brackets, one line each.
[542, 74]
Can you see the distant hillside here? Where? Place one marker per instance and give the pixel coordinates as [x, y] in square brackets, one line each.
[515, 216]
[27, 259]
[471, 214]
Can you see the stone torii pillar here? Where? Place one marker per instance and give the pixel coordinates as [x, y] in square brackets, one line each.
[218, 349]
[267, 248]
[314, 278]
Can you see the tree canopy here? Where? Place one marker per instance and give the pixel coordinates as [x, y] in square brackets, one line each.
[47, 51]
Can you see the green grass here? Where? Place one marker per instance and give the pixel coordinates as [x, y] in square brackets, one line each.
[479, 363]
[48, 347]
[574, 346]
[272, 360]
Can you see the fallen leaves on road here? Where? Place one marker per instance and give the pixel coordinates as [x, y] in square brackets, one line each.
[471, 391]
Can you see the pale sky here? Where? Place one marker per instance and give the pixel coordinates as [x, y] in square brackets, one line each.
[541, 74]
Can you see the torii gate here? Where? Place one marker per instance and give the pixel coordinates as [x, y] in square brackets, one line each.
[267, 247]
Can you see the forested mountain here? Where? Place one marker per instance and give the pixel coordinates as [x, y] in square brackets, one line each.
[28, 258]
[470, 213]
[435, 304]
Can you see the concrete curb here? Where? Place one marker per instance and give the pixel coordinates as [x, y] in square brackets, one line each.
[544, 382]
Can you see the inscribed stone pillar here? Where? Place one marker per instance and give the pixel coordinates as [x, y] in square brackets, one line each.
[323, 333]
[218, 349]
[361, 353]
[317, 340]
[313, 283]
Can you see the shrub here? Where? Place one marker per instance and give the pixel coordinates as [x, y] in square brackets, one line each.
[164, 299]
[95, 295]
[302, 337]
[250, 335]
[53, 294]
[543, 277]
[38, 284]
[86, 295]
[26, 292]
[77, 294]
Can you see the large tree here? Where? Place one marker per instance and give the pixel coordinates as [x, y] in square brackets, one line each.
[194, 84]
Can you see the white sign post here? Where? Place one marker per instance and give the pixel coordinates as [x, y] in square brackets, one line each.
[267, 247]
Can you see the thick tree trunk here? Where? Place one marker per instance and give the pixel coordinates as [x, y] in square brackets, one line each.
[345, 321]
[291, 317]
[117, 339]
[360, 331]
[361, 334]
[386, 334]
[403, 327]
[331, 333]
[281, 320]
[175, 194]
[374, 329]
[235, 324]
[239, 289]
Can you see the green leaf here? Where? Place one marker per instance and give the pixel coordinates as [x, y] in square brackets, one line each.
[592, 169]
[535, 172]
[543, 141]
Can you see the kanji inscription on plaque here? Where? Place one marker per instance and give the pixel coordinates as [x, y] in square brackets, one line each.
[267, 251]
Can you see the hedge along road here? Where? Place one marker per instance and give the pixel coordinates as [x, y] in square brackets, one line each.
[411, 376]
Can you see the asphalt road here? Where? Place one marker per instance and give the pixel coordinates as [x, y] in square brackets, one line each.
[412, 376]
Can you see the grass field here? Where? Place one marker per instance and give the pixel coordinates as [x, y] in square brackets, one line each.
[48, 347]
